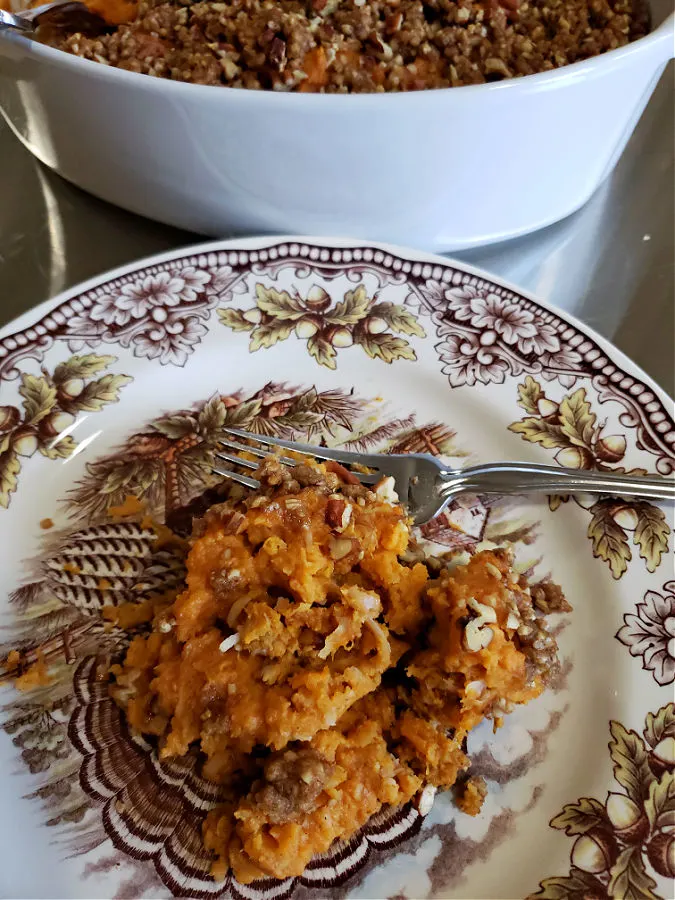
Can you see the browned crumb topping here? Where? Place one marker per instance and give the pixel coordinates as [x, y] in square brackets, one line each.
[292, 782]
[472, 797]
[344, 46]
[549, 597]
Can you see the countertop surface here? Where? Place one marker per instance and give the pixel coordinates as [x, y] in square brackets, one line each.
[612, 264]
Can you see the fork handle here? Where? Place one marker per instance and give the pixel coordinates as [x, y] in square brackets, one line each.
[524, 478]
[9, 21]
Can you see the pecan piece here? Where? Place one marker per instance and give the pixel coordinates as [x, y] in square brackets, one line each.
[393, 22]
[340, 547]
[338, 513]
[277, 53]
[343, 474]
[548, 597]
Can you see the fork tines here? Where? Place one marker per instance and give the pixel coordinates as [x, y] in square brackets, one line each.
[261, 445]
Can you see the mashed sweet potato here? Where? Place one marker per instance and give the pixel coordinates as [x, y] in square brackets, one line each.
[298, 600]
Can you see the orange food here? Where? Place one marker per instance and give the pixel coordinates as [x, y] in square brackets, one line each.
[34, 676]
[129, 615]
[11, 666]
[356, 774]
[315, 67]
[471, 800]
[12, 661]
[115, 12]
[297, 602]
[132, 506]
[481, 655]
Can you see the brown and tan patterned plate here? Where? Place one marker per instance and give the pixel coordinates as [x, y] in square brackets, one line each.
[123, 385]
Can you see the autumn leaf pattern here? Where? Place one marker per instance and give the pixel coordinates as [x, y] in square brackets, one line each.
[631, 764]
[661, 802]
[660, 725]
[326, 326]
[580, 817]
[629, 878]
[578, 884]
[651, 533]
[10, 466]
[322, 350]
[50, 404]
[609, 538]
[620, 843]
[571, 428]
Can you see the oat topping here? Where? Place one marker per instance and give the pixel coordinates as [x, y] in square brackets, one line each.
[228, 643]
[355, 46]
[386, 490]
[426, 799]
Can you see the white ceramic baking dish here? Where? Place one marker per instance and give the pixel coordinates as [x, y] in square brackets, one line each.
[441, 170]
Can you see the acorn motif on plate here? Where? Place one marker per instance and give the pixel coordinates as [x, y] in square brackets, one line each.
[357, 319]
[570, 428]
[621, 844]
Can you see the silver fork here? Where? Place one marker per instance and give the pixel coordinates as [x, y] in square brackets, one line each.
[426, 486]
[27, 21]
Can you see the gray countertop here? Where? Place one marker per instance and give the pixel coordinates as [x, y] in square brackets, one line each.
[612, 264]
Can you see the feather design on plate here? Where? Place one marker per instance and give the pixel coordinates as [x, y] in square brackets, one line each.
[150, 810]
[100, 566]
[153, 810]
[60, 620]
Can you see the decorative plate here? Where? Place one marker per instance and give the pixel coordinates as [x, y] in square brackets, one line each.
[122, 386]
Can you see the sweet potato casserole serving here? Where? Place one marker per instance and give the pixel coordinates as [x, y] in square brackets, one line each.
[342, 46]
[325, 667]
